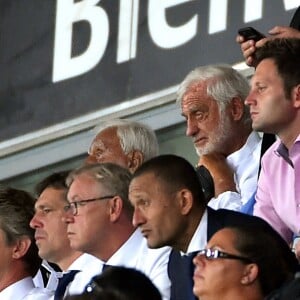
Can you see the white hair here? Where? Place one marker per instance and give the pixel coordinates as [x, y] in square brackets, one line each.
[223, 84]
[133, 136]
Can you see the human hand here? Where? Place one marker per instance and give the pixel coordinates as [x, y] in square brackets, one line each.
[220, 171]
[248, 48]
[284, 32]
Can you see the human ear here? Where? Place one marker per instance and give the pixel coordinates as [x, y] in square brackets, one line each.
[115, 208]
[135, 159]
[236, 108]
[296, 96]
[250, 274]
[185, 201]
[21, 247]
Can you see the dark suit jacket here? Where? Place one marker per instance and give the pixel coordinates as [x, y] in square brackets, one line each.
[181, 280]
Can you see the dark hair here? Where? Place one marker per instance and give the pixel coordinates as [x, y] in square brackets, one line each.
[286, 55]
[266, 248]
[56, 180]
[120, 283]
[16, 211]
[175, 173]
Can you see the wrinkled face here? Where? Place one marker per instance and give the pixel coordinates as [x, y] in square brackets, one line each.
[214, 278]
[50, 230]
[156, 212]
[270, 110]
[87, 229]
[207, 128]
[106, 148]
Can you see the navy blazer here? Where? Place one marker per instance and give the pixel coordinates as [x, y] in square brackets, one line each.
[181, 287]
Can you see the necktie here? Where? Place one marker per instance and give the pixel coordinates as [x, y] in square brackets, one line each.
[63, 283]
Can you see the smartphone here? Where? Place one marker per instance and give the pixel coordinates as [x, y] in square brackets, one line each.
[250, 33]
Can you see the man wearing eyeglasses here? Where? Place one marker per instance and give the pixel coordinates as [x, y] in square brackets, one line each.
[170, 210]
[99, 219]
[51, 234]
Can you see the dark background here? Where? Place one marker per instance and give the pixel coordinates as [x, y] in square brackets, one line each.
[30, 101]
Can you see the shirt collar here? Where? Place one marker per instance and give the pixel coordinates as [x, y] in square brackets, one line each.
[199, 239]
[283, 151]
[250, 146]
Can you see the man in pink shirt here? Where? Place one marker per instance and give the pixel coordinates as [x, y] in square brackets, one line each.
[274, 102]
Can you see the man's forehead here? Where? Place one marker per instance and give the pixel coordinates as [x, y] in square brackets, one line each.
[51, 190]
[98, 142]
[147, 180]
[105, 136]
[51, 194]
[197, 86]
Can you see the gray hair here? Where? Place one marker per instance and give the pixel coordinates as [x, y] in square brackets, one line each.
[113, 178]
[223, 84]
[133, 136]
[16, 212]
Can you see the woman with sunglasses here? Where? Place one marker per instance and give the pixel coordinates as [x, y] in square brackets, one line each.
[242, 262]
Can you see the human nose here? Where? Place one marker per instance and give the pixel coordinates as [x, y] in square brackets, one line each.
[191, 127]
[250, 99]
[68, 216]
[138, 219]
[35, 222]
[198, 260]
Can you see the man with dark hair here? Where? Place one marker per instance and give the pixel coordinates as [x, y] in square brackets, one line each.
[274, 102]
[51, 231]
[172, 211]
[19, 255]
[249, 47]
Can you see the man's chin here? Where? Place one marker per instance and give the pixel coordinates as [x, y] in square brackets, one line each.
[151, 245]
[201, 151]
[44, 255]
[155, 244]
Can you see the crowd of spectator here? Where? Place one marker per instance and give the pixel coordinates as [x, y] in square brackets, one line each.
[133, 224]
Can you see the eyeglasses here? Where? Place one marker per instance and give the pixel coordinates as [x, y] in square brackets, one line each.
[211, 254]
[72, 207]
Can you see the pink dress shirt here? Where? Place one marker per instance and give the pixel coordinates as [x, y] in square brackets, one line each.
[278, 193]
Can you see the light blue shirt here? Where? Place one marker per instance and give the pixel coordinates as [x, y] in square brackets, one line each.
[245, 164]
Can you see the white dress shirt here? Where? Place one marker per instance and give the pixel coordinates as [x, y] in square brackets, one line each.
[90, 264]
[134, 253]
[52, 280]
[25, 290]
[245, 164]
